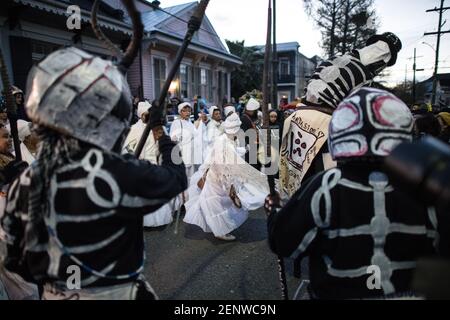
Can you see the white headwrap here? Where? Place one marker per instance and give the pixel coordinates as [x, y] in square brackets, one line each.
[142, 108]
[183, 105]
[232, 124]
[212, 109]
[252, 105]
[229, 110]
[23, 128]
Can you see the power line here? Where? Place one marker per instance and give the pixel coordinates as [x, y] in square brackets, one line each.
[438, 33]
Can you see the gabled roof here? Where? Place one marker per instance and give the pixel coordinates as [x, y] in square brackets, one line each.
[151, 19]
[283, 47]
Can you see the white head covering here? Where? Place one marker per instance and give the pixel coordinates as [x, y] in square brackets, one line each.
[229, 110]
[23, 128]
[183, 105]
[142, 108]
[212, 109]
[232, 124]
[252, 105]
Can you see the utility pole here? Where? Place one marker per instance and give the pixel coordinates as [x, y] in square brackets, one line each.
[414, 77]
[275, 58]
[438, 33]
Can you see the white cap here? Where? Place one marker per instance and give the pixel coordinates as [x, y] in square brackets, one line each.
[24, 129]
[228, 110]
[183, 105]
[143, 108]
[232, 124]
[212, 109]
[252, 105]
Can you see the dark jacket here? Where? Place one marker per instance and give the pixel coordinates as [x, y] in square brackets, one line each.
[97, 204]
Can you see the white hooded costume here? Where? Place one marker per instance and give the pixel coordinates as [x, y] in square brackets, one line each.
[24, 130]
[212, 208]
[150, 152]
[183, 132]
[214, 129]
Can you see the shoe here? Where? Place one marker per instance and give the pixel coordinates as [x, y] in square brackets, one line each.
[227, 237]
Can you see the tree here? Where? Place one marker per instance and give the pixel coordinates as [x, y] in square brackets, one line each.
[249, 75]
[345, 24]
[403, 92]
[325, 14]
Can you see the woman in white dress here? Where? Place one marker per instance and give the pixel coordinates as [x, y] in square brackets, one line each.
[225, 187]
[150, 152]
[182, 131]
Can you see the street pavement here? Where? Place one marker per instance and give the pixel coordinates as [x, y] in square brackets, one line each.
[193, 265]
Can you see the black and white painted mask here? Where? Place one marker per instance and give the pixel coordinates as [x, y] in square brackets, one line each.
[370, 123]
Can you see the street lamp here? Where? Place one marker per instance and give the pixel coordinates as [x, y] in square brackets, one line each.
[429, 45]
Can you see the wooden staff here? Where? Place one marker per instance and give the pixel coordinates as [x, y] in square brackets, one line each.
[266, 125]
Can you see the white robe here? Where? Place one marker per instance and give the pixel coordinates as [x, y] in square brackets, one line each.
[211, 208]
[213, 131]
[183, 133]
[200, 142]
[150, 152]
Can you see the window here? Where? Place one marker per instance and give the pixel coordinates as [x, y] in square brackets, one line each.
[203, 77]
[40, 49]
[223, 85]
[159, 67]
[195, 81]
[210, 85]
[185, 74]
[285, 67]
[206, 84]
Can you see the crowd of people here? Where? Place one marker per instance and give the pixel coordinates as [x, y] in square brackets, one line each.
[334, 202]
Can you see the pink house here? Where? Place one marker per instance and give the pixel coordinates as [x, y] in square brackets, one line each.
[31, 29]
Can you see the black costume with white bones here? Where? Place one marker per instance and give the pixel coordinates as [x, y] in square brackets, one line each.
[350, 218]
[81, 203]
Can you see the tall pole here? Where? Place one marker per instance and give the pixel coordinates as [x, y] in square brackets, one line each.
[275, 59]
[436, 65]
[266, 126]
[414, 78]
[438, 33]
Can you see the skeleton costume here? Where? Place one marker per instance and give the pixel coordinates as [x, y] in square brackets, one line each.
[81, 204]
[350, 219]
[304, 150]
[211, 208]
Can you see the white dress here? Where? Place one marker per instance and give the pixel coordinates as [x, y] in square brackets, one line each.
[212, 208]
[213, 131]
[150, 152]
[183, 133]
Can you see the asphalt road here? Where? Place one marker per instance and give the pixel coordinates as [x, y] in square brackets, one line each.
[193, 265]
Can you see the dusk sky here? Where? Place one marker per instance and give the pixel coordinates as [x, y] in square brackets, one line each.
[246, 20]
